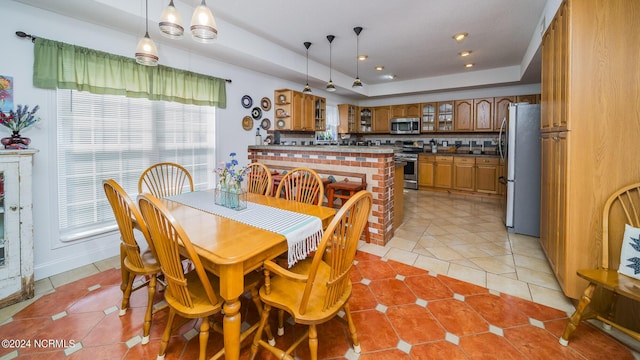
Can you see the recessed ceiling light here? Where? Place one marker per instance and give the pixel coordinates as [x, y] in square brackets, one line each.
[465, 53]
[363, 57]
[379, 67]
[460, 36]
[469, 65]
[389, 77]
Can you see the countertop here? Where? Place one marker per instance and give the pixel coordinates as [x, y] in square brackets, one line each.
[446, 153]
[327, 148]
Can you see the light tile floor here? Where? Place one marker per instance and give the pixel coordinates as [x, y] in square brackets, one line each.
[465, 238]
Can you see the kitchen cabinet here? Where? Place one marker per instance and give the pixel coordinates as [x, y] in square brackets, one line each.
[301, 118]
[443, 172]
[445, 116]
[486, 175]
[426, 170]
[366, 116]
[483, 114]
[463, 173]
[319, 113]
[349, 118]
[590, 128]
[463, 119]
[16, 226]
[501, 110]
[408, 110]
[413, 110]
[296, 111]
[531, 99]
[428, 117]
[282, 109]
[382, 119]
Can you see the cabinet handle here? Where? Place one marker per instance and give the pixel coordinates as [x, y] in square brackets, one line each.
[13, 208]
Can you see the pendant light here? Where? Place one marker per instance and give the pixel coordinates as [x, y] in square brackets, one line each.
[307, 88]
[203, 25]
[171, 22]
[357, 83]
[146, 51]
[330, 86]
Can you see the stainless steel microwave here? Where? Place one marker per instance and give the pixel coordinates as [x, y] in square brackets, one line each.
[405, 126]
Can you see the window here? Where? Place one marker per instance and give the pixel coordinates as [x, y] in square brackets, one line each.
[115, 137]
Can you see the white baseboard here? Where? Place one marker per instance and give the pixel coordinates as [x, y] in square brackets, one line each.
[75, 260]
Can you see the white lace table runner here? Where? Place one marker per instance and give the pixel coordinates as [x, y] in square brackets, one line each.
[303, 232]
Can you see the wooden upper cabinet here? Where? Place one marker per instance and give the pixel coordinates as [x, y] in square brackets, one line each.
[299, 112]
[463, 119]
[445, 116]
[398, 111]
[408, 110]
[414, 110]
[531, 99]
[428, 117]
[483, 114]
[381, 119]
[349, 118]
[501, 110]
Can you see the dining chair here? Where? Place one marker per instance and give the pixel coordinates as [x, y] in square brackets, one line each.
[165, 179]
[133, 262]
[608, 283]
[195, 294]
[303, 185]
[259, 179]
[314, 290]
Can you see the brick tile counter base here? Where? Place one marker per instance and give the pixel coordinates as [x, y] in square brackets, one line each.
[377, 163]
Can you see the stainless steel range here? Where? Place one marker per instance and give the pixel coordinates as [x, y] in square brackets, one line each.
[409, 154]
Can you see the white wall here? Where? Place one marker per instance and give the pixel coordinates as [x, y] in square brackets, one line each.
[51, 255]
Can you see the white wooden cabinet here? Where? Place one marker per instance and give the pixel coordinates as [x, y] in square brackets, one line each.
[16, 226]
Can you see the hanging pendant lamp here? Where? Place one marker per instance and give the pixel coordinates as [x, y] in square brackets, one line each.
[146, 51]
[330, 86]
[203, 24]
[307, 88]
[357, 83]
[171, 22]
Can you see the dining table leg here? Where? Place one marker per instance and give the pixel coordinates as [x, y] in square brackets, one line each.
[231, 288]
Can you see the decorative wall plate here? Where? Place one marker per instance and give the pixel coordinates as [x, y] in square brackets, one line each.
[247, 123]
[265, 103]
[280, 124]
[247, 101]
[268, 140]
[265, 124]
[256, 113]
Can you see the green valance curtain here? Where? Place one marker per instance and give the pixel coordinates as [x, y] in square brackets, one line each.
[64, 66]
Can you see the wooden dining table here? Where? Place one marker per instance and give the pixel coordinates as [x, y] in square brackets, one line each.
[231, 249]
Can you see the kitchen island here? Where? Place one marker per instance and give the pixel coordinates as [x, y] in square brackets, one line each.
[375, 163]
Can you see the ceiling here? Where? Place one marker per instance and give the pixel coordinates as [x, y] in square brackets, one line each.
[412, 39]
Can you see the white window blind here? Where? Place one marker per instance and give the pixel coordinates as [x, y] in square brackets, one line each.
[115, 137]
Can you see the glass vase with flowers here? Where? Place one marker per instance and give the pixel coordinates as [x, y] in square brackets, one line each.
[17, 121]
[230, 192]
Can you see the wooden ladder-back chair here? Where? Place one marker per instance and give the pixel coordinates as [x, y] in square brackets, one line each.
[302, 185]
[165, 179]
[608, 291]
[314, 290]
[132, 262]
[259, 179]
[194, 295]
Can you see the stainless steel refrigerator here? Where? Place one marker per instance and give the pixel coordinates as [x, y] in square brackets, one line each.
[520, 148]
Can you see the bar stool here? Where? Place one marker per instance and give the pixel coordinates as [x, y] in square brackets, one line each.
[344, 190]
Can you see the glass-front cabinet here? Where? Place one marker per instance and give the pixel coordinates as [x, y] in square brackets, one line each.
[429, 117]
[445, 116]
[16, 226]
